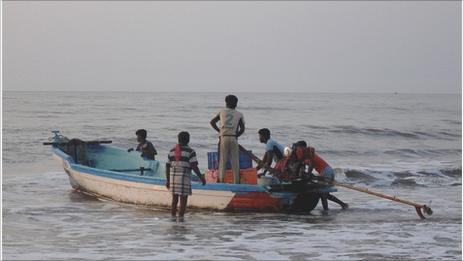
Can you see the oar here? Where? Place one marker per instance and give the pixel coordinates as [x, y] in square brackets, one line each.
[141, 169]
[124, 170]
[257, 160]
[417, 206]
[88, 142]
[249, 153]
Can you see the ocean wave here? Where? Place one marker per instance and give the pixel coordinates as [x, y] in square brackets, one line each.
[387, 132]
[442, 177]
[455, 122]
[310, 126]
[359, 175]
[453, 135]
[400, 153]
[406, 182]
[451, 172]
[371, 131]
[423, 152]
[264, 108]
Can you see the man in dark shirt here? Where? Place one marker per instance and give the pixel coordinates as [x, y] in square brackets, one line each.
[145, 147]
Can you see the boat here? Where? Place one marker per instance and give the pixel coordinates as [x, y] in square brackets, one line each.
[104, 171]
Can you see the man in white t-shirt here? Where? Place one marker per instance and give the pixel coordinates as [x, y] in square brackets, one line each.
[274, 150]
[232, 125]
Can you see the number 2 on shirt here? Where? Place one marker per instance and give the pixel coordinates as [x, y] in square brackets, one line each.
[229, 116]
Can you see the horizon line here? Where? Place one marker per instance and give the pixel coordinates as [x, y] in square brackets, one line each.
[223, 92]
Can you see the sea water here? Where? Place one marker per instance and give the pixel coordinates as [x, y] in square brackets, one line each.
[405, 145]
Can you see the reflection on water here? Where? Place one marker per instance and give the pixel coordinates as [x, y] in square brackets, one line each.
[76, 196]
[178, 231]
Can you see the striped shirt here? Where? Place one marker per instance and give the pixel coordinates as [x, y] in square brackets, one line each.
[187, 159]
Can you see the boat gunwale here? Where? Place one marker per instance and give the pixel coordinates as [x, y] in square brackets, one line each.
[235, 188]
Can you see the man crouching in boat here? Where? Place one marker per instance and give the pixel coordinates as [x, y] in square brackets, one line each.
[181, 160]
[309, 157]
[274, 150]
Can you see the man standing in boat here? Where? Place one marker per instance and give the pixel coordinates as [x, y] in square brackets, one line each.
[231, 127]
[181, 161]
[145, 147]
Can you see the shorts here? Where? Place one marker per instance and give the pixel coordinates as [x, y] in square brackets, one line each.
[328, 173]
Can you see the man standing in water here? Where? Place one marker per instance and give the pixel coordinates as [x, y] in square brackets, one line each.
[231, 127]
[181, 161]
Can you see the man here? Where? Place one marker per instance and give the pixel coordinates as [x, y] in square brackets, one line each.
[273, 151]
[325, 171]
[232, 125]
[145, 147]
[181, 160]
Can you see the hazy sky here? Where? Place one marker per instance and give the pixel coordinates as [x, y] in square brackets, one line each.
[311, 46]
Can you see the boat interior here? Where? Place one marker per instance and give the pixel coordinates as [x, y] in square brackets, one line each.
[113, 159]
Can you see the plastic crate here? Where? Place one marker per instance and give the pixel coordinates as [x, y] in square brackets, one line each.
[211, 176]
[244, 161]
[247, 176]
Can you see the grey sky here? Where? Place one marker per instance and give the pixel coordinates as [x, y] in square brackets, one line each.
[311, 46]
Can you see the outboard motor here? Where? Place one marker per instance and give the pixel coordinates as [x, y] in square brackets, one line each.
[77, 149]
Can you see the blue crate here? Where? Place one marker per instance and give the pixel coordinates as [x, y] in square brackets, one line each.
[244, 161]
[213, 160]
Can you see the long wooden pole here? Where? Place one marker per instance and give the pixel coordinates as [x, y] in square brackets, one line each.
[417, 206]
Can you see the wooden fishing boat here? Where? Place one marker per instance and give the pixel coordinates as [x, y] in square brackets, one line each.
[105, 171]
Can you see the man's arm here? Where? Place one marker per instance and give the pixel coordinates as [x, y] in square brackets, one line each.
[151, 150]
[241, 128]
[267, 160]
[197, 171]
[213, 123]
[152, 147]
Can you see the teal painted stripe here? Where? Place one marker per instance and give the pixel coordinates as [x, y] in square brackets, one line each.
[63, 155]
[155, 181]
